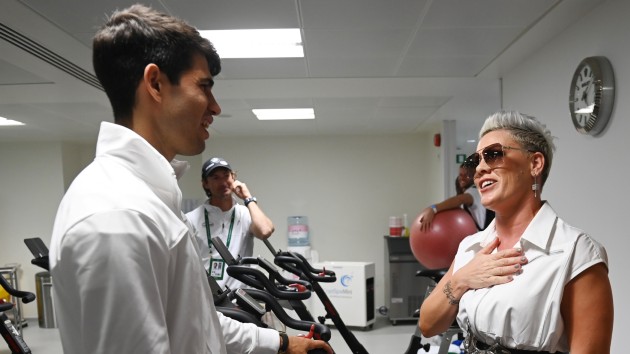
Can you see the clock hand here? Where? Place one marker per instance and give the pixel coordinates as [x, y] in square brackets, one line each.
[584, 95]
[588, 89]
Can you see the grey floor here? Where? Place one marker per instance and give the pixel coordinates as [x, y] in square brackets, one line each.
[382, 338]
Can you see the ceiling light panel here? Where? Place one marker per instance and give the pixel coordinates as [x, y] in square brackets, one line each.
[9, 122]
[257, 43]
[284, 113]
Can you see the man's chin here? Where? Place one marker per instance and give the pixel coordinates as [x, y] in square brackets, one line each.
[194, 151]
[223, 195]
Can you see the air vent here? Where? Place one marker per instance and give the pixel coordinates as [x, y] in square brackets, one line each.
[48, 56]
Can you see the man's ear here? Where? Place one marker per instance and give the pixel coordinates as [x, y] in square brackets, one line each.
[153, 81]
[205, 184]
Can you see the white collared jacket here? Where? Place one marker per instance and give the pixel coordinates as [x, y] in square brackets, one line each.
[125, 265]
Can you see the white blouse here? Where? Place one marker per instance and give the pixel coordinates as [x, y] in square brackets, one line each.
[525, 313]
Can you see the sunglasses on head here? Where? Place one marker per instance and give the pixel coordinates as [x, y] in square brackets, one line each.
[492, 154]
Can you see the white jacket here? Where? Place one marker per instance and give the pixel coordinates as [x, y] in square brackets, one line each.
[125, 266]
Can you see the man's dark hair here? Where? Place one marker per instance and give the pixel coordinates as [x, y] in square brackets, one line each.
[137, 36]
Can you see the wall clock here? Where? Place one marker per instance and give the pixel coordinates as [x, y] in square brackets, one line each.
[592, 95]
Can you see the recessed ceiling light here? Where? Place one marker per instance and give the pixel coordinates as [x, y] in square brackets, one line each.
[9, 122]
[284, 113]
[257, 43]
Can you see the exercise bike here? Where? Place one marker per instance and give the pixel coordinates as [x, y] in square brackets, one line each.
[416, 339]
[249, 310]
[269, 288]
[293, 291]
[10, 334]
[297, 264]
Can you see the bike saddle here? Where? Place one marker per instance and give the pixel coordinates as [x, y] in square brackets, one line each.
[434, 274]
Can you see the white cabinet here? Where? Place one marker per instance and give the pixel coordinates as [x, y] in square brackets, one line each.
[352, 294]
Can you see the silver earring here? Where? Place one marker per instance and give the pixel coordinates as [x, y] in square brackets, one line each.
[535, 187]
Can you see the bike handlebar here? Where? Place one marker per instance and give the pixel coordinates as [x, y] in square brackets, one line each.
[255, 278]
[298, 265]
[321, 330]
[24, 295]
[274, 274]
[5, 306]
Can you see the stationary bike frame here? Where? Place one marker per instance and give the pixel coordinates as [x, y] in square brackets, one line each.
[298, 265]
[9, 332]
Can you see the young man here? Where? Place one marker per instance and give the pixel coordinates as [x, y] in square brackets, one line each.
[124, 261]
[220, 215]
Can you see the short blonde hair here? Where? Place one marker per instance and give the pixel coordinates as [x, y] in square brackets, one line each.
[530, 133]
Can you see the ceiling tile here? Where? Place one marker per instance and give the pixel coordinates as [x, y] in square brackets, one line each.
[485, 42]
[455, 66]
[240, 14]
[13, 75]
[263, 68]
[360, 14]
[305, 102]
[485, 13]
[82, 16]
[415, 101]
[356, 43]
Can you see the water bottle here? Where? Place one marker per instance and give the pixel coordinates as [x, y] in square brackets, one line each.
[298, 231]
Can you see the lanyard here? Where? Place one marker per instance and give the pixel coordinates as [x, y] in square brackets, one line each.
[229, 238]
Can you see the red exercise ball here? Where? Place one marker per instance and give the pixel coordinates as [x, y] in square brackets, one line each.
[436, 247]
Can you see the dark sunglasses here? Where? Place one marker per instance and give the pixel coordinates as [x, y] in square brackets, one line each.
[492, 154]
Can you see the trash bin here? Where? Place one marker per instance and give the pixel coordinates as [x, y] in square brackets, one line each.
[45, 309]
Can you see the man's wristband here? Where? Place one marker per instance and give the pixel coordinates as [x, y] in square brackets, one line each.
[246, 201]
[284, 343]
[434, 208]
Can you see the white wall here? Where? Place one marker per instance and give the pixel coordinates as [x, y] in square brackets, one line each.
[32, 187]
[586, 184]
[347, 186]
[75, 157]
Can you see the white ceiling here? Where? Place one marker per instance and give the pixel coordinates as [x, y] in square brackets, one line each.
[371, 66]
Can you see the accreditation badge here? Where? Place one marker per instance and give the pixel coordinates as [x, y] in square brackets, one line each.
[217, 267]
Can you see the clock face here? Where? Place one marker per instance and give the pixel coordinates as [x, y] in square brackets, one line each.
[583, 95]
[592, 95]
